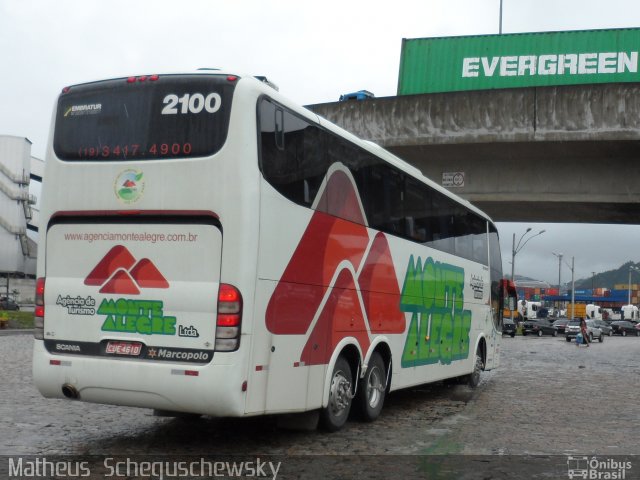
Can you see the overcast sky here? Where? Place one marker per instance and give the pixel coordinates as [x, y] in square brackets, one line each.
[314, 51]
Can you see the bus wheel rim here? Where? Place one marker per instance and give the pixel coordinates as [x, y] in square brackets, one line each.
[340, 393]
[374, 387]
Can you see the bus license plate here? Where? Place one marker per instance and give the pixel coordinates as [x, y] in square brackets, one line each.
[132, 349]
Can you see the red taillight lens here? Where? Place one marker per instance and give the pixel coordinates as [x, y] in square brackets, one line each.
[229, 299]
[40, 291]
[226, 320]
[38, 331]
[228, 293]
[143, 78]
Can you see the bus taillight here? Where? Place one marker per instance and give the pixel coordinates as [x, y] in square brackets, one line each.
[38, 331]
[229, 318]
[143, 78]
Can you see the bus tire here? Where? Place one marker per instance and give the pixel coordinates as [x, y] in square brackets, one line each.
[473, 379]
[335, 414]
[372, 389]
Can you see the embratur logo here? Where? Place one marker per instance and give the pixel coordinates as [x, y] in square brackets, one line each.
[88, 109]
[119, 273]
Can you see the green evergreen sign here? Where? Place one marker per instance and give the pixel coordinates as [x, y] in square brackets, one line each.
[429, 65]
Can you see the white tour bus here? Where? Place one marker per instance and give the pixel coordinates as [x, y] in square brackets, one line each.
[209, 247]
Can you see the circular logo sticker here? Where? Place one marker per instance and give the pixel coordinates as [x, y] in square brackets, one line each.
[129, 186]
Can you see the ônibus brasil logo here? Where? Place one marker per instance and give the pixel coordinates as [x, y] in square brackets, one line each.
[129, 186]
[120, 273]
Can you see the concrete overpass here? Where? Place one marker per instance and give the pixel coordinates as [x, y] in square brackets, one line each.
[544, 154]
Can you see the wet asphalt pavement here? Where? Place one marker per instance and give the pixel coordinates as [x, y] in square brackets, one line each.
[548, 398]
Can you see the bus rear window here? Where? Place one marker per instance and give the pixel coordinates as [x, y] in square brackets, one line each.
[171, 117]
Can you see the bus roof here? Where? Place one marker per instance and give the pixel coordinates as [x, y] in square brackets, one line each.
[264, 86]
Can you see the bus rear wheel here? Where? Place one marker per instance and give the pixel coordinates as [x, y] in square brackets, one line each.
[335, 414]
[372, 389]
[473, 379]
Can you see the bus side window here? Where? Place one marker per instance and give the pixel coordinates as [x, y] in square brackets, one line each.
[291, 153]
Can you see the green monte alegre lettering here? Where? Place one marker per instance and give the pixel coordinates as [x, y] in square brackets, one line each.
[433, 293]
[136, 316]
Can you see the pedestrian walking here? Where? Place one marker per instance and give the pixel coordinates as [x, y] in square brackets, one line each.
[583, 330]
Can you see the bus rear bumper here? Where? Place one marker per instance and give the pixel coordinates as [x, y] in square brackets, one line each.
[212, 389]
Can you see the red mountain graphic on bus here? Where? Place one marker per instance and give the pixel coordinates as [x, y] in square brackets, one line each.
[119, 273]
[317, 294]
[129, 184]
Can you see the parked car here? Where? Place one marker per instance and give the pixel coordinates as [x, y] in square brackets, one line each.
[561, 324]
[573, 328]
[538, 327]
[604, 326]
[542, 312]
[508, 327]
[359, 95]
[624, 328]
[614, 316]
[8, 304]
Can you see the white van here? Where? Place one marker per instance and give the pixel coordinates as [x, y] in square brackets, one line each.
[529, 309]
[594, 312]
[630, 313]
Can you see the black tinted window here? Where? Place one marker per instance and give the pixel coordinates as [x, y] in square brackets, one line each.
[171, 117]
[296, 154]
[292, 156]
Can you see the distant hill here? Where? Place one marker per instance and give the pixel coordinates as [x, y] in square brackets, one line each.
[610, 278]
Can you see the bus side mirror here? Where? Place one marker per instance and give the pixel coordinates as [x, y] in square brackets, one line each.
[509, 294]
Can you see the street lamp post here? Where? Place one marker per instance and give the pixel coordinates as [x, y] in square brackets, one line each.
[559, 255]
[515, 249]
[573, 288]
[631, 268]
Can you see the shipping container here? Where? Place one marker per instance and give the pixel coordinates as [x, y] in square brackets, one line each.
[447, 64]
[578, 310]
[583, 292]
